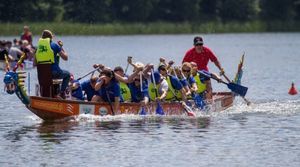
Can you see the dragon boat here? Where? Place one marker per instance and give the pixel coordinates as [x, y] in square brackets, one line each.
[50, 109]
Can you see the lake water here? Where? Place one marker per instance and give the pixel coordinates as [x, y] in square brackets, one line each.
[266, 133]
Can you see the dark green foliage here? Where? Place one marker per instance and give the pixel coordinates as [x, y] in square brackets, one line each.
[145, 11]
[279, 10]
[238, 10]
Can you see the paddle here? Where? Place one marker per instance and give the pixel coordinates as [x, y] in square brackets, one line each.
[128, 59]
[110, 103]
[159, 109]
[239, 89]
[143, 111]
[243, 97]
[186, 108]
[89, 73]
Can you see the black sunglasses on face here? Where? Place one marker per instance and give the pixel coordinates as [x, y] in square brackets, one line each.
[186, 70]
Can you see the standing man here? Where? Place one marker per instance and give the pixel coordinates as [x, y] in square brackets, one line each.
[201, 55]
[47, 60]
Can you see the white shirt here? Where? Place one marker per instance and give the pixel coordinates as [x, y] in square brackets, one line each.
[163, 86]
[14, 52]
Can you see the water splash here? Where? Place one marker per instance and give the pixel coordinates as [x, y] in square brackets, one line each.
[286, 107]
[279, 107]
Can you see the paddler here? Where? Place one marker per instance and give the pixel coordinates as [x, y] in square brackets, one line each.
[204, 88]
[175, 88]
[108, 89]
[125, 92]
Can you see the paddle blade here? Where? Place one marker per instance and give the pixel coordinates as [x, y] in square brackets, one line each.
[143, 111]
[239, 89]
[198, 100]
[188, 110]
[159, 109]
[191, 114]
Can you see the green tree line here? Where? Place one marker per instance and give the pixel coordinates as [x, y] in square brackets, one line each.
[145, 11]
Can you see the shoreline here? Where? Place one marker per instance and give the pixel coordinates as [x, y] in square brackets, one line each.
[67, 28]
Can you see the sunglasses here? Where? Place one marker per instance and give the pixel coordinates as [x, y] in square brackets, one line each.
[163, 69]
[136, 80]
[186, 70]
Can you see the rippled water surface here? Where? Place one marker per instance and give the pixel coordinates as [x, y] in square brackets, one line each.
[266, 133]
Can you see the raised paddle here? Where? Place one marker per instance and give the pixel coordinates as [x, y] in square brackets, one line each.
[128, 59]
[159, 109]
[88, 73]
[239, 89]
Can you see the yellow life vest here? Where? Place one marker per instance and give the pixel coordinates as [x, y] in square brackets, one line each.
[44, 53]
[201, 86]
[125, 91]
[151, 91]
[170, 93]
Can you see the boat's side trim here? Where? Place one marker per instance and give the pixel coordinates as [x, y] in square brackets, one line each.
[51, 109]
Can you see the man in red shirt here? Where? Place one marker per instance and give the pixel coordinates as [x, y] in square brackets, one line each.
[200, 55]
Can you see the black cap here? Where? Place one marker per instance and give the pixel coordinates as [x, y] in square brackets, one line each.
[198, 41]
[161, 66]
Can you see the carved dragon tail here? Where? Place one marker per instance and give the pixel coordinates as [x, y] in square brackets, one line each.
[239, 73]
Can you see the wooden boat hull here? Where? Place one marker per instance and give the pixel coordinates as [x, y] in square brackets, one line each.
[50, 109]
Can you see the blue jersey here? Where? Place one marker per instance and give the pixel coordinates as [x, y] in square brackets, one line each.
[187, 81]
[77, 92]
[56, 49]
[175, 83]
[110, 91]
[88, 89]
[136, 94]
[184, 82]
[191, 81]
